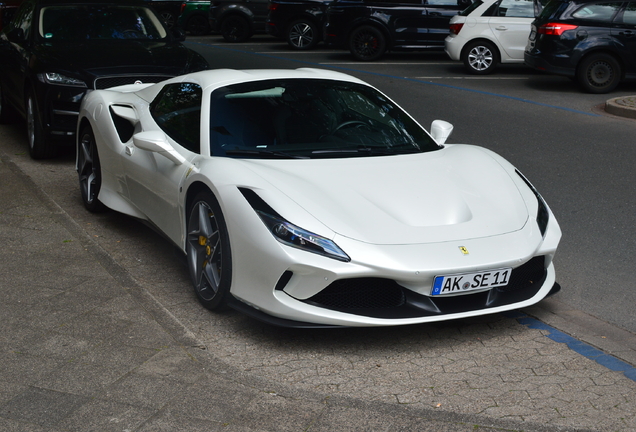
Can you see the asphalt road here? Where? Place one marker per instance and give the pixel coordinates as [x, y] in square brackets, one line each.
[579, 158]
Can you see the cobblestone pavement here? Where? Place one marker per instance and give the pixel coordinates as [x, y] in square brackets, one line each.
[126, 340]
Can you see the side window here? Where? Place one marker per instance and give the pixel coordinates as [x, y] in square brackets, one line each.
[24, 19]
[177, 111]
[516, 8]
[629, 16]
[443, 2]
[600, 12]
[512, 8]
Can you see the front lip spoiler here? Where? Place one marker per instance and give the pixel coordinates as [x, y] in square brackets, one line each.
[269, 319]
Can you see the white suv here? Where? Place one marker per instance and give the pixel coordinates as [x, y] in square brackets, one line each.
[490, 32]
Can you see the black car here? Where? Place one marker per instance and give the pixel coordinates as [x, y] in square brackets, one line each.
[593, 41]
[53, 52]
[369, 28]
[238, 20]
[299, 22]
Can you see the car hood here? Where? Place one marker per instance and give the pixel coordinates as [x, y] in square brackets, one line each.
[457, 193]
[118, 57]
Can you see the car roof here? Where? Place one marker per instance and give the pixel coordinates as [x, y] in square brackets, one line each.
[81, 2]
[223, 77]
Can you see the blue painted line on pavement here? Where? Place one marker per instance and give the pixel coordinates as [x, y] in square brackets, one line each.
[586, 350]
[408, 79]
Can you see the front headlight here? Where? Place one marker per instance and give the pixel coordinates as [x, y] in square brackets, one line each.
[543, 215]
[294, 236]
[291, 235]
[59, 79]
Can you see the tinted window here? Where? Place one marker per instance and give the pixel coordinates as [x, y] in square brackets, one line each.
[629, 16]
[600, 12]
[103, 22]
[177, 111]
[310, 118]
[512, 8]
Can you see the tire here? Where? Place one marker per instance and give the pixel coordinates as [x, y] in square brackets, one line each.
[367, 43]
[89, 171]
[40, 146]
[599, 73]
[198, 25]
[208, 252]
[302, 35]
[235, 28]
[480, 57]
[168, 18]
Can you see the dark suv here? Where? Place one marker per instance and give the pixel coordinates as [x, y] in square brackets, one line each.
[238, 20]
[369, 28]
[593, 41]
[299, 22]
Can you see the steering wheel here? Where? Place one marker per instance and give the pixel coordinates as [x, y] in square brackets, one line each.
[350, 123]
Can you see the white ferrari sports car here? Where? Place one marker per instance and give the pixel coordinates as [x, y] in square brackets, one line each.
[308, 198]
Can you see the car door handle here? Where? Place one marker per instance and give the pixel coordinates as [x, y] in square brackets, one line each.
[627, 33]
[501, 28]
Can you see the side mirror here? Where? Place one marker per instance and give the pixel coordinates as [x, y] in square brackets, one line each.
[155, 141]
[441, 130]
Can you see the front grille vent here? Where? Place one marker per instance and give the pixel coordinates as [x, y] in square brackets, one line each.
[384, 298]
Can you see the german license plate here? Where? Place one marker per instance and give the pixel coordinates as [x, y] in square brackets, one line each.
[466, 282]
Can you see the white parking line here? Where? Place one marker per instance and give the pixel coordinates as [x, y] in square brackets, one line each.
[423, 62]
[473, 78]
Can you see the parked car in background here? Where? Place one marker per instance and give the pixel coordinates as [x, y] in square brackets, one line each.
[593, 41]
[490, 32]
[369, 28]
[168, 9]
[55, 51]
[238, 20]
[299, 22]
[7, 9]
[195, 17]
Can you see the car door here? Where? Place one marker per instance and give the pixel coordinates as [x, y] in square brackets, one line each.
[510, 24]
[15, 51]
[438, 15]
[153, 176]
[405, 18]
[624, 34]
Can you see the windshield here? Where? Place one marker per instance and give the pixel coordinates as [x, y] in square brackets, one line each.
[101, 22]
[310, 118]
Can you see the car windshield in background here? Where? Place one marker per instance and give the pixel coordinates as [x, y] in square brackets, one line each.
[308, 118]
[99, 22]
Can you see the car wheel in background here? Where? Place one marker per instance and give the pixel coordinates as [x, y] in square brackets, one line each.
[367, 43]
[235, 28]
[599, 73]
[208, 251]
[480, 57]
[168, 18]
[89, 171]
[40, 146]
[198, 25]
[302, 35]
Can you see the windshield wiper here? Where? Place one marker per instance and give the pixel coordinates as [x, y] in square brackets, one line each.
[367, 151]
[265, 154]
